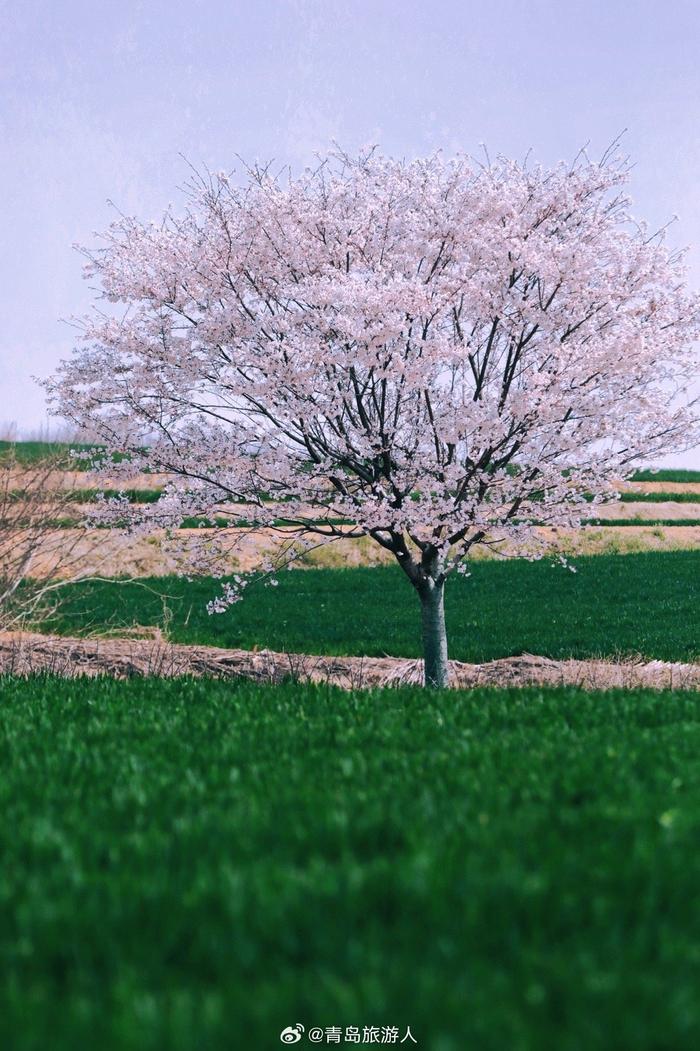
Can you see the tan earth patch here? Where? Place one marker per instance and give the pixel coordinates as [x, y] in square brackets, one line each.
[60, 479]
[665, 509]
[108, 553]
[119, 555]
[618, 509]
[67, 479]
[624, 540]
[661, 487]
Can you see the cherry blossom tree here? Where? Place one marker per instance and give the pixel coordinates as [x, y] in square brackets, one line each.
[435, 354]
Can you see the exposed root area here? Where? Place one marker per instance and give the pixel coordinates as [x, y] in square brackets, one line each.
[24, 653]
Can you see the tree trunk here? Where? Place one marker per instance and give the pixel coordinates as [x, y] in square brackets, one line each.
[432, 596]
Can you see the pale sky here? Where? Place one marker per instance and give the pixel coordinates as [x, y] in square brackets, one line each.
[99, 98]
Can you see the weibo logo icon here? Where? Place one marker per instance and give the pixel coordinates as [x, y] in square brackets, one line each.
[292, 1034]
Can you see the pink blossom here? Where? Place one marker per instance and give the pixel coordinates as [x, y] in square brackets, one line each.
[439, 352]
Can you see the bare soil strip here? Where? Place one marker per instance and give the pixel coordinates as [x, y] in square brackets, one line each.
[24, 653]
[85, 480]
[661, 487]
[665, 509]
[117, 555]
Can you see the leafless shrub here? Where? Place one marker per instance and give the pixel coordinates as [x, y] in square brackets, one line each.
[357, 675]
[37, 557]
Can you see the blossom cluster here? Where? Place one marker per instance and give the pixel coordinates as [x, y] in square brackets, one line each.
[436, 354]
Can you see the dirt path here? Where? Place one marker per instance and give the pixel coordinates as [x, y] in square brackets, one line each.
[27, 653]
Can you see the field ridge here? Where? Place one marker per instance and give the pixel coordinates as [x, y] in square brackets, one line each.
[26, 653]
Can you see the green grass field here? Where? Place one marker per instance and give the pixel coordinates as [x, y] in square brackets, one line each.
[35, 452]
[613, 605]
[666, 474]
[624, 523]
[196, 865]
[32, 452]
[660, 498]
